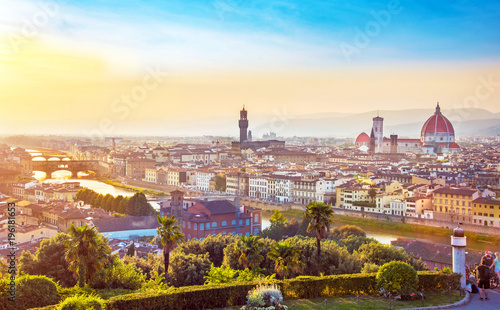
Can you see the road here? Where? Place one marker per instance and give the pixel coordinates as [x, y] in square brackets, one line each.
[475, 303]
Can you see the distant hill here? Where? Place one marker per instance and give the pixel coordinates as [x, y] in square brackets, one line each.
[404, 123]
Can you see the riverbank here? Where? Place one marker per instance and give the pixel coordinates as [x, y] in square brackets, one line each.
[145, 191]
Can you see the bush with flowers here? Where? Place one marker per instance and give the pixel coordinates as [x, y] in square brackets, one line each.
[264, 297]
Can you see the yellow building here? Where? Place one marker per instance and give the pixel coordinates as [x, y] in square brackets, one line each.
[486, 211]
[349, 194]
[454, 205]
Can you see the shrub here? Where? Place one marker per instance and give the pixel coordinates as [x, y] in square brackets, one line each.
[31, 291]
[397, 278]
[66, 292]
[370, 268]
[118, 276]
[82, 302]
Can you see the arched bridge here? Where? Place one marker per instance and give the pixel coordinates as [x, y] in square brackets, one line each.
[74, 166]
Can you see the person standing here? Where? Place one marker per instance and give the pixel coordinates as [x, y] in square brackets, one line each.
[489, 259]
[483, 276]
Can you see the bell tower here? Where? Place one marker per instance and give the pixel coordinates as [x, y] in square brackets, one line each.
[243, 123]
[177, 205]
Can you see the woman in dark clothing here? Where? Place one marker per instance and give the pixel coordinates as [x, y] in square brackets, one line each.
[483, 275]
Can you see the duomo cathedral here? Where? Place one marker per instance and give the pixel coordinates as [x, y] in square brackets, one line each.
[436, 137]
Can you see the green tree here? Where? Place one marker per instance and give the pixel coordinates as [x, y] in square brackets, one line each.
[287, 258]
[169, 234]
[278, 226]
[250, 251]
[124, 206]
[116, 275]
[278, 219]
[116, 203]
[151, 265]
[98, 201]
[107, 202]
[138, 205]
[378, 253]
[131, 250]
[218, 275]
[86, 251]
[345, 232]
[397, 278]
[214, 246]
[334, 258]
[186, 270]
[220, 183]
[49, 260]
[372, 193]
[27, 263]
[353, 243]
[320, 216]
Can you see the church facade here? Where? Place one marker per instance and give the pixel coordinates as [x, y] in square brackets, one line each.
[437, 137]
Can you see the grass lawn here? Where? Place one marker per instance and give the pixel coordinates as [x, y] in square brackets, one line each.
[366, 302]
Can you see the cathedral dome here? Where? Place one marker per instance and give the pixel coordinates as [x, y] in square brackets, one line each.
[363, 138]
[437, 123]
[437, 134]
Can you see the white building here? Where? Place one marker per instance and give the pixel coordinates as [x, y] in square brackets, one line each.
[284, 188]
[258, 186]
[203, 180]
[325, 188]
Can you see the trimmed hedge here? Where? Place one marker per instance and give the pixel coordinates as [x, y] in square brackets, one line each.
[346, 284]
[189, 297]
[430, 281]
[231, 294]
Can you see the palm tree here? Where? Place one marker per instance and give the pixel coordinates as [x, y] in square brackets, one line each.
[170, 235]
[286, 258]
[320, 216]
[86, 251]
[250, 248]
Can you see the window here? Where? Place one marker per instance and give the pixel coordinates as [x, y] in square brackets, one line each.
[241, 223]
[247, 234]
[256, 218]
[233, 222]
[202, 227]
[189, 225]
[208, 225]
[224, 223]
[195, 226]
[247, 222]
[214, 224]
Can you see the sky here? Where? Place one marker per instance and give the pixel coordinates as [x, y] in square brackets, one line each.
[119, 67]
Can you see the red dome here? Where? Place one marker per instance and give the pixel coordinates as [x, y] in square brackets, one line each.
[437, 123]
[454, 146]
[363, 138]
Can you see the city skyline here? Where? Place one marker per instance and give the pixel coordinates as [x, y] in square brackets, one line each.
[186, 63]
